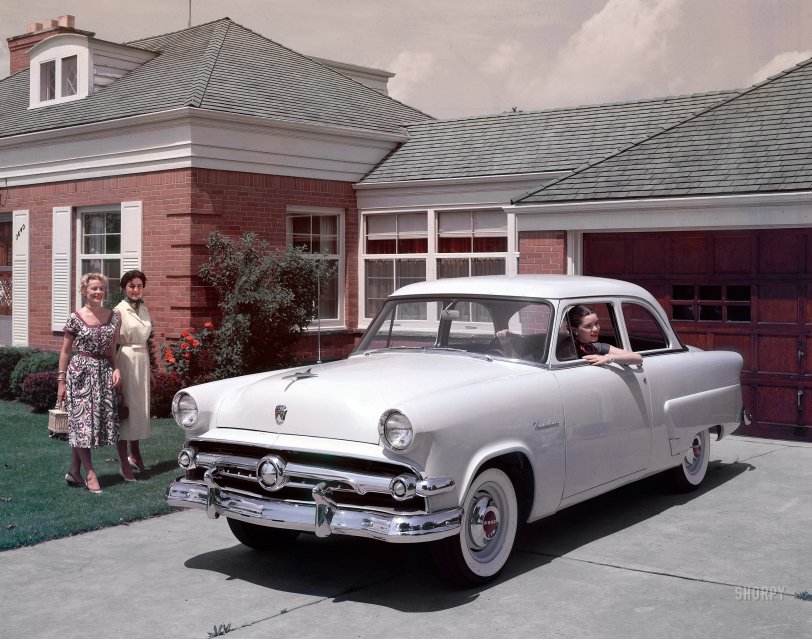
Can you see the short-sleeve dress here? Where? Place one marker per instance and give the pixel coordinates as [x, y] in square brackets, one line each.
[133, 360]
[89, 396]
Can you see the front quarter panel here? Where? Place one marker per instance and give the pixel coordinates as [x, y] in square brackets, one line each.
[462, 430]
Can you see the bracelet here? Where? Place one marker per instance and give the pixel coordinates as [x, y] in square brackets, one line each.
[611, 359]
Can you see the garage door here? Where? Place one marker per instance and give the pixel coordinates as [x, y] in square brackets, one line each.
[746, 291]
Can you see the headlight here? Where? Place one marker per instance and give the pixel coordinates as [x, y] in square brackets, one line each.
[395, 430]
[184, 410]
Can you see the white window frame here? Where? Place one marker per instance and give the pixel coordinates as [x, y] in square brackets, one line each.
[56, 50]
[432, 255]
[319, 211]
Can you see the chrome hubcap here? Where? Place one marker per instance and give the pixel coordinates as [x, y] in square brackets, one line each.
[483, 524]
[693, 458]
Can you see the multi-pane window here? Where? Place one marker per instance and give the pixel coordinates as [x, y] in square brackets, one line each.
[69, 76]
[403, 248]
[320, 237]
[100, 248]
[47, 80]
[398, 235]
[710, 302]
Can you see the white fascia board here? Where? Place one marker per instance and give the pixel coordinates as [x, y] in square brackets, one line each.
[188, 137]
[761, 210]
[486, 190]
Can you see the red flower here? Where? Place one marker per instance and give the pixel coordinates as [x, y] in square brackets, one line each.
[187, 355]
[195, 343]
[172, 360]
[184, 345]
[185, 334]
[190, 338]
[208, 325]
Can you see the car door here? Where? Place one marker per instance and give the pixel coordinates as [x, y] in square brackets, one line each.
[607, 413]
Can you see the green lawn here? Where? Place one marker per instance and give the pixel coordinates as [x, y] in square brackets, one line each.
[35, 502]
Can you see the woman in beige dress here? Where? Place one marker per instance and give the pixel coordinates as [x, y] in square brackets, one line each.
[133, 360]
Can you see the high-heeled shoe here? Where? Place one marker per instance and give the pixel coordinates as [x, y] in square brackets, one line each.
[95, 491]
[72, 481]
[129, 481]
[134, 464]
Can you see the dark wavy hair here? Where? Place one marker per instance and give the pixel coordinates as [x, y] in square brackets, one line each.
[576, 315]
[131, 275]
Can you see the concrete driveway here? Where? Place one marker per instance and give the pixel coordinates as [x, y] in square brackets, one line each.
[726, 561]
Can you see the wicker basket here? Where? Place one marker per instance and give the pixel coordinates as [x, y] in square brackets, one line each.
[57, 420]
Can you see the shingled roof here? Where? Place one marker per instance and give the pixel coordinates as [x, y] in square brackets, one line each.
[221, 66]
[531, 142]
[757, 141]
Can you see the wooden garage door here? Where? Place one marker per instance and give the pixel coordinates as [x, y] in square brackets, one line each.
[746, 291]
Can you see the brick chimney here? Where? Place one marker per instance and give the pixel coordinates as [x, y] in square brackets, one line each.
[20, 45]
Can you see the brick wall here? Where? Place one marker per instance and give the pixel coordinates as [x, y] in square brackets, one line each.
[180, 209]
[543, 252]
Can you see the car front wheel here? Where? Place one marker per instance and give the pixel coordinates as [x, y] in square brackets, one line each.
[691, 472]
[490, 519]
[261, 537]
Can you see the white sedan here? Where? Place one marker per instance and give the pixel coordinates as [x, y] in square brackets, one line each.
[467, 409]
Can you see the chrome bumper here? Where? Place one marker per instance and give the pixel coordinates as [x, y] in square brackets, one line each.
[324, 517]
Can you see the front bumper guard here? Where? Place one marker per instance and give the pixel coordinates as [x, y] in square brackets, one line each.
[323, 518]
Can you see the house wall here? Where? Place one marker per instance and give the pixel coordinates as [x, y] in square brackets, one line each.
[542, 252]
[180, 208]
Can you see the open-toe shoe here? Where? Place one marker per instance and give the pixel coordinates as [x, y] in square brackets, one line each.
[135, 466]
[95, 491]
[125, 478]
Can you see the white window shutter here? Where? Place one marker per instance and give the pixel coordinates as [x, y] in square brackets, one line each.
[19, 278]
[131, 213]
[60, 267]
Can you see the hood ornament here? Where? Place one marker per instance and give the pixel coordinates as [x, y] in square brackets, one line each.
[279, 413]
[299, 375]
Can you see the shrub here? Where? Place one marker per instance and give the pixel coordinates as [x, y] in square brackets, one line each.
[33, 363]
[189, 357]
[164, 387]
[9, 356]
[39, 390]
[267, 299]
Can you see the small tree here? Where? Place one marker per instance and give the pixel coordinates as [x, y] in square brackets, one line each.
[267, 299]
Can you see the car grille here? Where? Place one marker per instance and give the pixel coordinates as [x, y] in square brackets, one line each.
[236, 470]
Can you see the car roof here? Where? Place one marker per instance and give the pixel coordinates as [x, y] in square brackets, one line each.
[526, 286]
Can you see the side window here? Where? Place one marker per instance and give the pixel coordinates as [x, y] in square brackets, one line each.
[567, 346]
[645, 332]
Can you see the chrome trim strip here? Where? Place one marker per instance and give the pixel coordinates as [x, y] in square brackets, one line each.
[323, 518]
[361, 483]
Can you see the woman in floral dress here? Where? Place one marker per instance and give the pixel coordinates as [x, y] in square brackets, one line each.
[88, 384]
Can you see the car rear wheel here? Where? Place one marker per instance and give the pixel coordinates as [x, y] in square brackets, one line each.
[261, 537]
[691, 472]
[490, 519]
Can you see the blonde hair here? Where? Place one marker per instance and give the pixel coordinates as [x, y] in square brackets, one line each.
[92, 276]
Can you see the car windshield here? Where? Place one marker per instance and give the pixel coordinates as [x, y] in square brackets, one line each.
[509, 328]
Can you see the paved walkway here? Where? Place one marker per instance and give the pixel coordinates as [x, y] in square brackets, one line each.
[725, 561]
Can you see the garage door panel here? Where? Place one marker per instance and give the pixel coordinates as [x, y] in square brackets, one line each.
[606, 256]
[732, 254]
[777, 355]
[650, 255]
[778, 304]
[777, 405]
[778, 253]
[689, 255]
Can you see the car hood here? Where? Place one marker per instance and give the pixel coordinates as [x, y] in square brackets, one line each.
[344, 400]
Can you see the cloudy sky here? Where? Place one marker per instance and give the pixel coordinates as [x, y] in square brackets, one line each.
[469, 57]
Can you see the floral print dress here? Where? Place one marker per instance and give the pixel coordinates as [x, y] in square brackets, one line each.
[89, 396]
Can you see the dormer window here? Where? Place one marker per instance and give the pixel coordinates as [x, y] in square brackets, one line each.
[60, 70]
[69, 66]
[66, 69]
